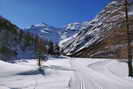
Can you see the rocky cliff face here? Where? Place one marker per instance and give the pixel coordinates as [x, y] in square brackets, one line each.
[69, 30]
[105, 36]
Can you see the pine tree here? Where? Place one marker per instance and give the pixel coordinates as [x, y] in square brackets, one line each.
[51, 48]
[57, 50]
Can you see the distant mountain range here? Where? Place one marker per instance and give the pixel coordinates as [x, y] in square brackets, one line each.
[52, 33]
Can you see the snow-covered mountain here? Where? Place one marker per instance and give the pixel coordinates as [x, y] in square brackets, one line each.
[104, 36]
[69, 30]
[52, 33]
[45, 32]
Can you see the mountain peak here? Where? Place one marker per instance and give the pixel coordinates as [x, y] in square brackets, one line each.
[72, 26]
[40, 25]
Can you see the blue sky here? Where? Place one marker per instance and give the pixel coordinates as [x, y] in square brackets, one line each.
[53, 12]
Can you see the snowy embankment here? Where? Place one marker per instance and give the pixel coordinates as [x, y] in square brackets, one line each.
[66, 73]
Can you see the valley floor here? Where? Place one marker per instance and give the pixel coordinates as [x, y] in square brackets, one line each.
[66, 73]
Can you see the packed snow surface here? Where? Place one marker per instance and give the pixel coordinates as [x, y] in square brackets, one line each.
[66, 73]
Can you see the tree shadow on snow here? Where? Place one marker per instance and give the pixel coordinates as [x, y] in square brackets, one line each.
[43, 71]
[33, 72]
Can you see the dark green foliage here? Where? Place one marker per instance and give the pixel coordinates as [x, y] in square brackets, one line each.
[4, 50]
[11, 37]
[51, 48]
[56, 50]
[28, 40]
[5, 24]
[7, 54]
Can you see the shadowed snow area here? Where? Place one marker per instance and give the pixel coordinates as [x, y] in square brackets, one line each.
[66, 73]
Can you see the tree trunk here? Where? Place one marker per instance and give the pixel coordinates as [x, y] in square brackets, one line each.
[39, 65]
[130, 68]
[39, 62]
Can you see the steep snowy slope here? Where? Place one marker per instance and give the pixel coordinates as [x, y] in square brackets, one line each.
[69, 30]
[104, 36]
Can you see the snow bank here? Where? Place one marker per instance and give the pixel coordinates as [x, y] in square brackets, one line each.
[25, 74]
[66, 73]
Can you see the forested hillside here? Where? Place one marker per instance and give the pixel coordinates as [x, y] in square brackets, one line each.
[16, 43]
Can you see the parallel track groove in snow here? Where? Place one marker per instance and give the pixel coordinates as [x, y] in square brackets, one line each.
[96, 76]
